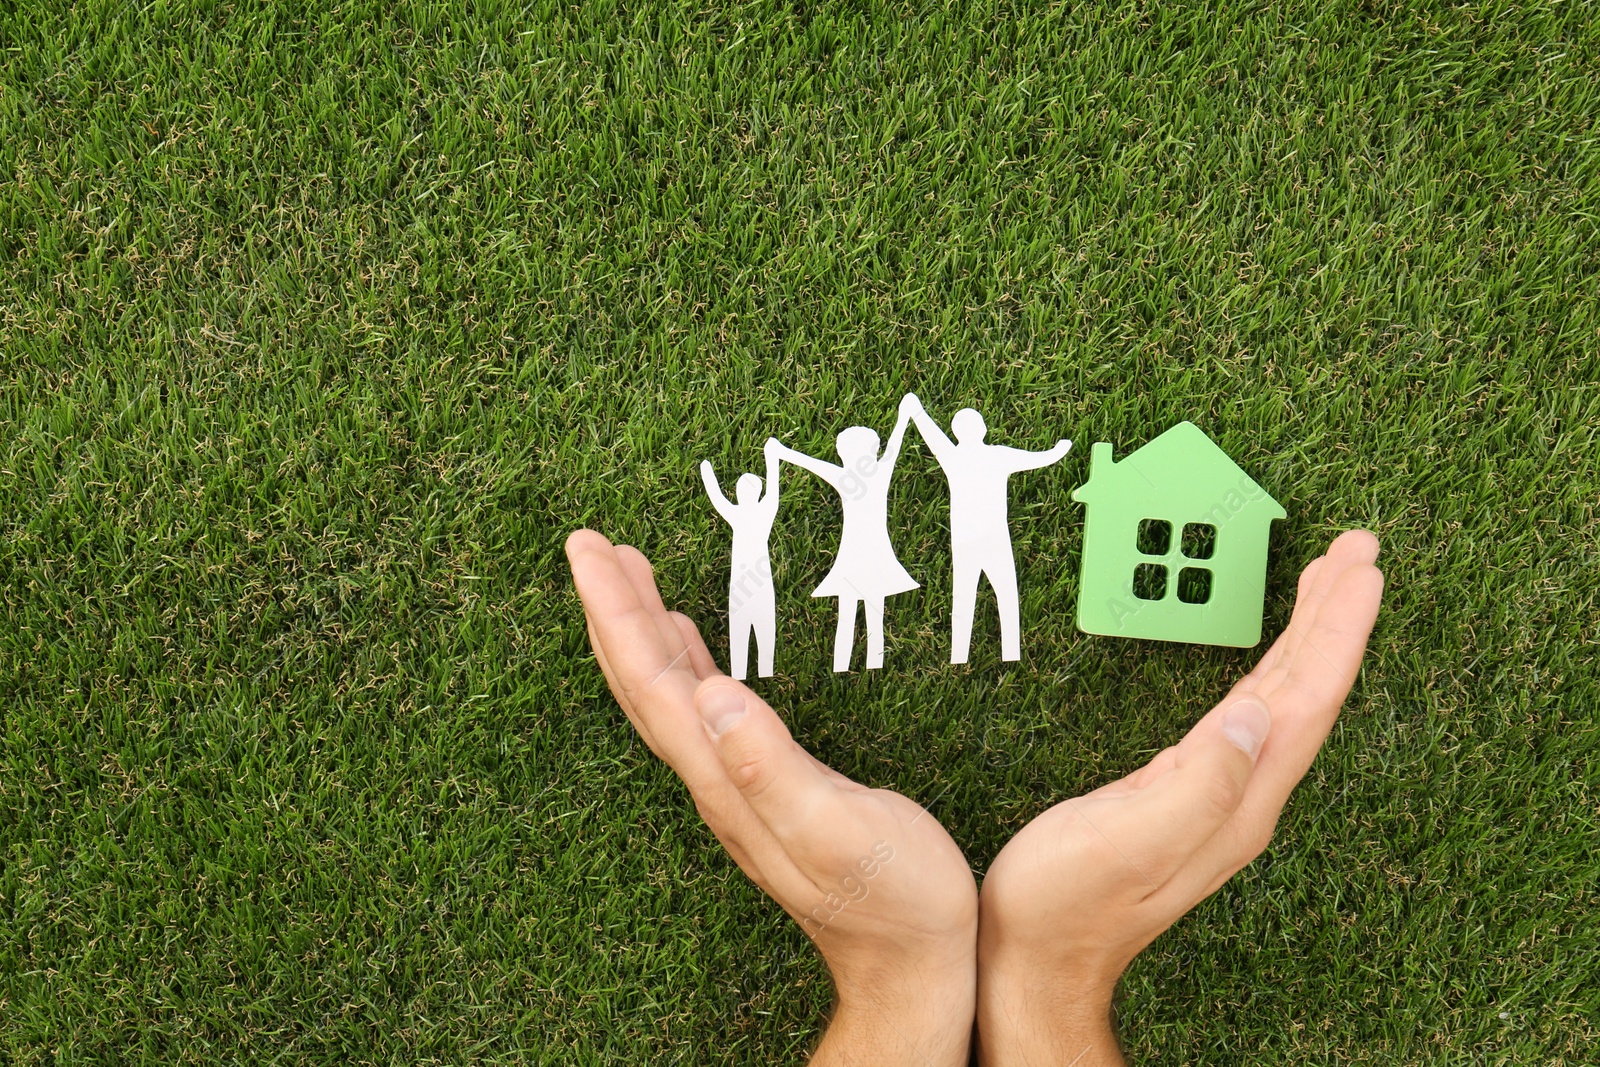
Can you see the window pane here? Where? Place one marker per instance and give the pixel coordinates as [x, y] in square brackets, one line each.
[1150, 581]
[1199, 540]
[1155, 537]
[1194, 585]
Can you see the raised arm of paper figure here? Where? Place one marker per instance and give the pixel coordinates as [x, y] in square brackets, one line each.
[769, 499]
[1023, 460]
[891, 451]
[943, 448]
[828, 472]
[723, 505]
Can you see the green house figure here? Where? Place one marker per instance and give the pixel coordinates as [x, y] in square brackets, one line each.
[1174, 543]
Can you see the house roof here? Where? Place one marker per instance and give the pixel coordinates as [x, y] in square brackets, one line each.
[1181, 470]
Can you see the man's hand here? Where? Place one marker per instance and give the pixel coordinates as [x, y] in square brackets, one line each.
[1074, 897]
[872, 878]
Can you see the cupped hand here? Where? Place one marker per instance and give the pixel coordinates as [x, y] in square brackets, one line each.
[1078, 892]
[871, 877]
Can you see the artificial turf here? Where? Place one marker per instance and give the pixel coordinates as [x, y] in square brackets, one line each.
[322, 325]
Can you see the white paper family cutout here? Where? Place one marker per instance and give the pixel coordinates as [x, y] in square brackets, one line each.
[980, 531]
[866, 570]
[751, 606]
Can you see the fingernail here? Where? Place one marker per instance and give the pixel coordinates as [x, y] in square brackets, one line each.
[720, 707]
[1246, 725]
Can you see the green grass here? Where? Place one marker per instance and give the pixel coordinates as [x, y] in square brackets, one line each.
[319, 329]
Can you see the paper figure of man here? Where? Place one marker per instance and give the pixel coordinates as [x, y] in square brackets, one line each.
[980, 534]
[866, 570]
[752, 608]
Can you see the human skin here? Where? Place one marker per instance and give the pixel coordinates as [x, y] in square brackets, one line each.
[1083, 888]
[874, 880]
[1069, 901]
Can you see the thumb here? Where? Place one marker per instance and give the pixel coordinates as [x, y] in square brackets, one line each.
[784, 787]
[1179, 811]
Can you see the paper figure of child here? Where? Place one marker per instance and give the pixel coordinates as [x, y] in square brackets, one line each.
[751, 605]
[866, 570]
[980, 535]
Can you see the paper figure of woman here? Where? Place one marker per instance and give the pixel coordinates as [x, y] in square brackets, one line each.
[866, 570]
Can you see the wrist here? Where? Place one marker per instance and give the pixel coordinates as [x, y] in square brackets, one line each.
[938, 985]
[911, 1010]
[1035, 1011]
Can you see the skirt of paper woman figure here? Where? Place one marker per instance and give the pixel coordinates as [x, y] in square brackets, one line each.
[866, 570]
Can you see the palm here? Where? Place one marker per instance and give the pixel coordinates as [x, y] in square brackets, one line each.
[919, 888]
[1103, 874]
[854, 865]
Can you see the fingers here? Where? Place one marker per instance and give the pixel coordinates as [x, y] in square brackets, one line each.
[1159, 765]
[1314, 664]
[1304, 680]
[757, 790]
[1164, 823]
[616, 688]
[1305, 703]
[645, 656]
[642, 577]
[779, 780]
[1315, 684]
[1330, 650]
[605, 665]
[1351, 548]
[1297, 620]
[700, 660]
[639, 654]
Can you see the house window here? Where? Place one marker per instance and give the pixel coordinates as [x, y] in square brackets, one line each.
[1194, 585]
[1155, 537]
[1153, 580]
[1150, 581]
[1199, 541]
